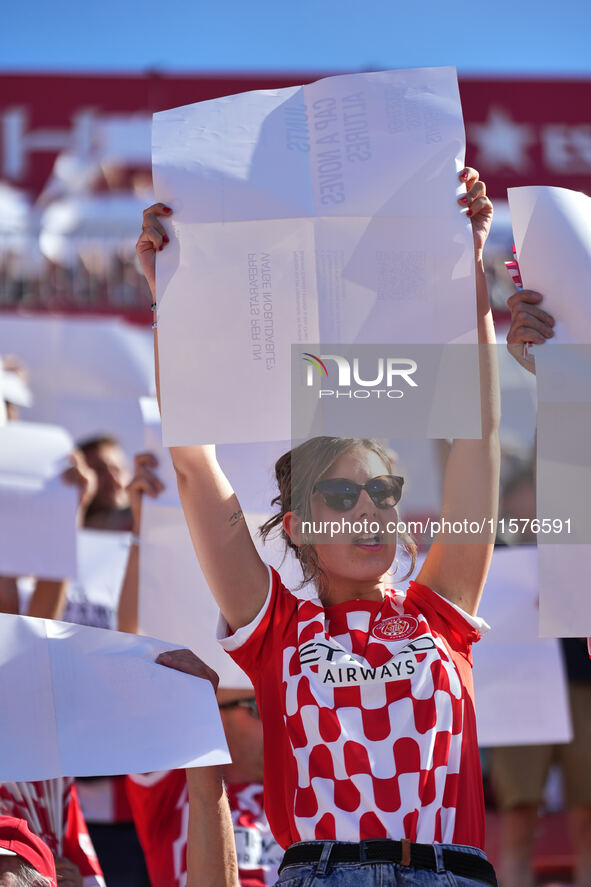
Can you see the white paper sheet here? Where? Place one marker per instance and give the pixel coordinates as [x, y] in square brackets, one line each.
[81, 357]
[519, 680]
[86, 374]
[552, 230]
[93, 597]
[322, 213]
[88, 702]
[565, 597]
[563, 375]
[37, 510]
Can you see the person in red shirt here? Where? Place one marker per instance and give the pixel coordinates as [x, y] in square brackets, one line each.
[160, 801]
[371, 762]
[208, 841]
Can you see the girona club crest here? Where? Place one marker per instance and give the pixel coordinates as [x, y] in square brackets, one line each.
[396, 628]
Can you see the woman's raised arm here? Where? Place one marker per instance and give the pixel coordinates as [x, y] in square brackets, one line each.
[234, 571]
[457, 564]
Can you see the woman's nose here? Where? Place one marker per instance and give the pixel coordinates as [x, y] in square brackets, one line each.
[365, 504]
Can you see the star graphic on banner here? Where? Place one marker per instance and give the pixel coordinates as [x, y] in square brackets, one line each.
[502, 142]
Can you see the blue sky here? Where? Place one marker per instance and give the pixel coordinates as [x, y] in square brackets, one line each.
[521, 36]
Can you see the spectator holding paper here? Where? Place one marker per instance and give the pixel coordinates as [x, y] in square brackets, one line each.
[49, 594]
[371, 759]
[211, 854]
[519, 773]
[76, 859]
[160, 800]
[108, 509]
[101, 473]
[145, 481]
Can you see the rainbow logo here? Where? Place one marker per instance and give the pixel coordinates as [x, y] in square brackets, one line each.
[316, 362]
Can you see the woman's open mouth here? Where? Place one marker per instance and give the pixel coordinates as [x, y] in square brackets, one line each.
[371, 542]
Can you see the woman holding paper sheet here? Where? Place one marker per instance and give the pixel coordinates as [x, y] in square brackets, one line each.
[371, 760]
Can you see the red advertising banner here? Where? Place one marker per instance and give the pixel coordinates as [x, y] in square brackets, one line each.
[519, 131]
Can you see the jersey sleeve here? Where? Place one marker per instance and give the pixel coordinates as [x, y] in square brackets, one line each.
[251, 645]
[457, 627]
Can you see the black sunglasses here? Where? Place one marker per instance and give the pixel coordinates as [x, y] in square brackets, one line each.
[342, 494]
[249, 703]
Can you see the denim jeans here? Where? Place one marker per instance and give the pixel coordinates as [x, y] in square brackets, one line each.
[377, 874]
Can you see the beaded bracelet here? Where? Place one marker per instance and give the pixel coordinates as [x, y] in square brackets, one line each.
[154, 307]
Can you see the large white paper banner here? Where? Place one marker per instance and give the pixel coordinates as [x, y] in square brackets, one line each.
[519, 679]
[89, 702]
[93, 597]
[37, 509]
[552, 230]
[174, 599]
[85, 374]
[321, 213]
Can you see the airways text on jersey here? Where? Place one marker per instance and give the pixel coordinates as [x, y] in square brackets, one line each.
[335, 666]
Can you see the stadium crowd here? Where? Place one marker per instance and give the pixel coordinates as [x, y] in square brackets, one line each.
[208, 826]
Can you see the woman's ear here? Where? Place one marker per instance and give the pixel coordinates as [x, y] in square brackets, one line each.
[292, 526]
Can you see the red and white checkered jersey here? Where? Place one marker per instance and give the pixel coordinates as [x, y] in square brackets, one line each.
[160, 804]
[368, 716]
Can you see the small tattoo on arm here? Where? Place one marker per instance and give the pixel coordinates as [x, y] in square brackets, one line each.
[235, 517]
